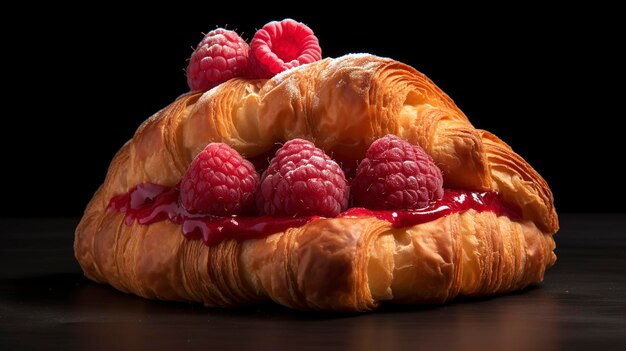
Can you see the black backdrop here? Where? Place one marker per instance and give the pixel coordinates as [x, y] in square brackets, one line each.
[538, 78]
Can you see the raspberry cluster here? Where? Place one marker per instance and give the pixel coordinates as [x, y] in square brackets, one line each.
[223, 54]
[302, 180]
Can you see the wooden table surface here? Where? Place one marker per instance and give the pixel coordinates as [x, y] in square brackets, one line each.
[45, 302]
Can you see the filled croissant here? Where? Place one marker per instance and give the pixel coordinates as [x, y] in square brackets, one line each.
[346, 263]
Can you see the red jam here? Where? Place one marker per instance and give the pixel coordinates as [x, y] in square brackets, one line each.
[148, 203]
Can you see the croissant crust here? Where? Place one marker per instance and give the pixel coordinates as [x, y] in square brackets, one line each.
[341, 264]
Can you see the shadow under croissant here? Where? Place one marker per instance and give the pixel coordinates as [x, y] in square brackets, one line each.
[87, 311]
[58, 289]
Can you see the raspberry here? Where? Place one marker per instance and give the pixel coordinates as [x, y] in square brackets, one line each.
[220, 56]
[219, 182]
[279, 46]
[396, 175]
[302, 180]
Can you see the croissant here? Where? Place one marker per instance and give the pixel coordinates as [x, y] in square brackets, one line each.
[327, 264]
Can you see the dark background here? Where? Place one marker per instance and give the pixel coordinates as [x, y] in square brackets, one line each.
[541, 79]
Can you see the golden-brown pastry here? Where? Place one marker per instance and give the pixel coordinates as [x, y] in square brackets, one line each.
[343, 264]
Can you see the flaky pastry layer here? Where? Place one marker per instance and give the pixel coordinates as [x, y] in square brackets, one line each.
[342, 105]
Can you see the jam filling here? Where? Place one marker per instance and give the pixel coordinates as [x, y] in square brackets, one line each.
[149, 203]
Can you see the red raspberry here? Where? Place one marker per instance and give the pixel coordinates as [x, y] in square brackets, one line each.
[219, 182]
[302, 180]
[279, 46]
[220, 56]
[396, 175]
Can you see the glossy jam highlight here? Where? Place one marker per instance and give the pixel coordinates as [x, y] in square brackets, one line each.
[149, 203]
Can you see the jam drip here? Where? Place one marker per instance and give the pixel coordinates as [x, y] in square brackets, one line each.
[149, 203]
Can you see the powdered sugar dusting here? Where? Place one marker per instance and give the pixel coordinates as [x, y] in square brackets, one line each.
[362, 61]
[291, 87]
[351, 67]
[210, 94]
[356, 55]
[288, 81]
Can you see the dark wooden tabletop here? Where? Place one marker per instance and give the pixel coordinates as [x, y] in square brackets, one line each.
[46, 302]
